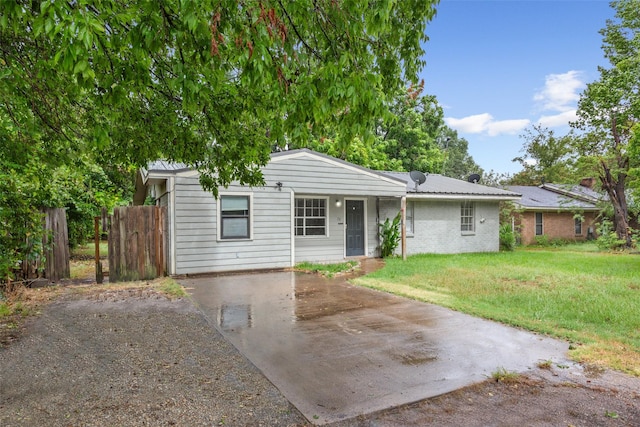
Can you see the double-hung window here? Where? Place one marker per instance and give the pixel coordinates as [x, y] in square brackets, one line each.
[409, 218]
[235, 217]
[467, 217]
[539, 230]
[577, 225]
[310, 217]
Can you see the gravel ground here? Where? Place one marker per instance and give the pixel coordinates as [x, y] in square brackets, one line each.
[134, 358]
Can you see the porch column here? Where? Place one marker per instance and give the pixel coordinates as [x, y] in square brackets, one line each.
[403, 226]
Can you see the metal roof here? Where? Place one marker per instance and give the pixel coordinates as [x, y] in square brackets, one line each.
[441, 186]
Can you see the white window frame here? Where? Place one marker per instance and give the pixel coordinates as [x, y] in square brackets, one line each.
[219, 236]
[296, 217]
[410, 218]
[468, 211]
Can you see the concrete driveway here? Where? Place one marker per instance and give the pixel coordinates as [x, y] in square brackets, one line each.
[337, 351]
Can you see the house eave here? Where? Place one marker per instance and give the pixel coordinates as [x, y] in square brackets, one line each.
[557, 209]
[473, 197]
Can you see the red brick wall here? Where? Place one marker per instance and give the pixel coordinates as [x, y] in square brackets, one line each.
[555, 225]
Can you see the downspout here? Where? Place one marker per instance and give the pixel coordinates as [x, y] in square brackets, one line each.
[403, 222]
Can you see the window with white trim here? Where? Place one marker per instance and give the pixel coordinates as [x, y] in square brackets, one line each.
[310, 217]
[409, 218]
[577, 225]
[235, 217]
[539, 229]
[467, 217]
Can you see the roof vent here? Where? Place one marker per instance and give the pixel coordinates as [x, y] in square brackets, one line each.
[474, 178]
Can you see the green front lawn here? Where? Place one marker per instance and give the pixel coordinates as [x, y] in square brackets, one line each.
[591, 299]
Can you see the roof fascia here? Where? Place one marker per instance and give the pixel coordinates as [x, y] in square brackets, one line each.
[472, 197]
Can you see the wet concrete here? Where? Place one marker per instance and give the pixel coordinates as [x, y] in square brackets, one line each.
[337, 351]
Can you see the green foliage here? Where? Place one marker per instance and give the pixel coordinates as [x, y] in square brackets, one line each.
[507, 237]
[91, 90]
[390, 235]
[607, 237]
[411, 136]
[457, 162]
[327, 270]
[171, 288]
[609, 110]
[546, 242]
[505, 376]
[546, 158]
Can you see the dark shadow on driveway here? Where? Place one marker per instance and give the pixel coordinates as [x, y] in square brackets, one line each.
[337, 351]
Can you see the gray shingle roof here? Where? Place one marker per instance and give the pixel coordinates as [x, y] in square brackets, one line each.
[439, 185]
[534, 197]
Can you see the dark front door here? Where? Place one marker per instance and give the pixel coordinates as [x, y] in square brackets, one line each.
[355, 227]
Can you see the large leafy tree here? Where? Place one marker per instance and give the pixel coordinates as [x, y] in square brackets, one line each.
[609, 109]
[457, 163]
[411, 136]
[211, 83]
[546, 158]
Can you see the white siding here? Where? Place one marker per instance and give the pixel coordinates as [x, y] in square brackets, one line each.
[198, 249]
[437, 227]
[311, 174]
[331, 248]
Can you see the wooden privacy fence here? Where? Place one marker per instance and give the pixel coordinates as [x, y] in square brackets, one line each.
[136, 243]
[56, 244]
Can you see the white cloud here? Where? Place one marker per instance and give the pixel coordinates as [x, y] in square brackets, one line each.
[486, 124]
[557, 120]
[560, 92]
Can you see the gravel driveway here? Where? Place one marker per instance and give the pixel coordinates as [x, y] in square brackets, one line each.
[134, 358]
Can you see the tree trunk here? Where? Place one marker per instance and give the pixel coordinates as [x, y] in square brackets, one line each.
[615, 189]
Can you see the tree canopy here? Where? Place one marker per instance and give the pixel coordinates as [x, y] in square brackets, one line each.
[91, 88]
[609, 110]
[213, 83]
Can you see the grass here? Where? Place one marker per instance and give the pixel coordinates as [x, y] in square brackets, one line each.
[327, 270]
[589, 298]
[88, 250]
[171, 288]
[502, 375]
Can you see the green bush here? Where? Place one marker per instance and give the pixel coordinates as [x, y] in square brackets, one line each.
[607, 237]
[507, 238]
[390, 236]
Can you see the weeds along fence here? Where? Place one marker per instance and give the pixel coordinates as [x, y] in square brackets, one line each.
[136, 243]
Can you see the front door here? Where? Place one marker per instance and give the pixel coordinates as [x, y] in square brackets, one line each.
[355, 227]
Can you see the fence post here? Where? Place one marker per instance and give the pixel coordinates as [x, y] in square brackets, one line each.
[96, 236]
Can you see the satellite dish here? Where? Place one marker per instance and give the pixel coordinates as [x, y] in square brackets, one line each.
[417, 177]
[474, 178]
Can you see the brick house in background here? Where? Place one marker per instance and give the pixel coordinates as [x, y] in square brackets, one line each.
[550, 210]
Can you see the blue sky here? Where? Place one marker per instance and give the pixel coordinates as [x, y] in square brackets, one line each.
[499, 66]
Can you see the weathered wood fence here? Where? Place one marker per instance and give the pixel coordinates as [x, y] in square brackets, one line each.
[56, 244]
[52, 263]
[136, 243]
